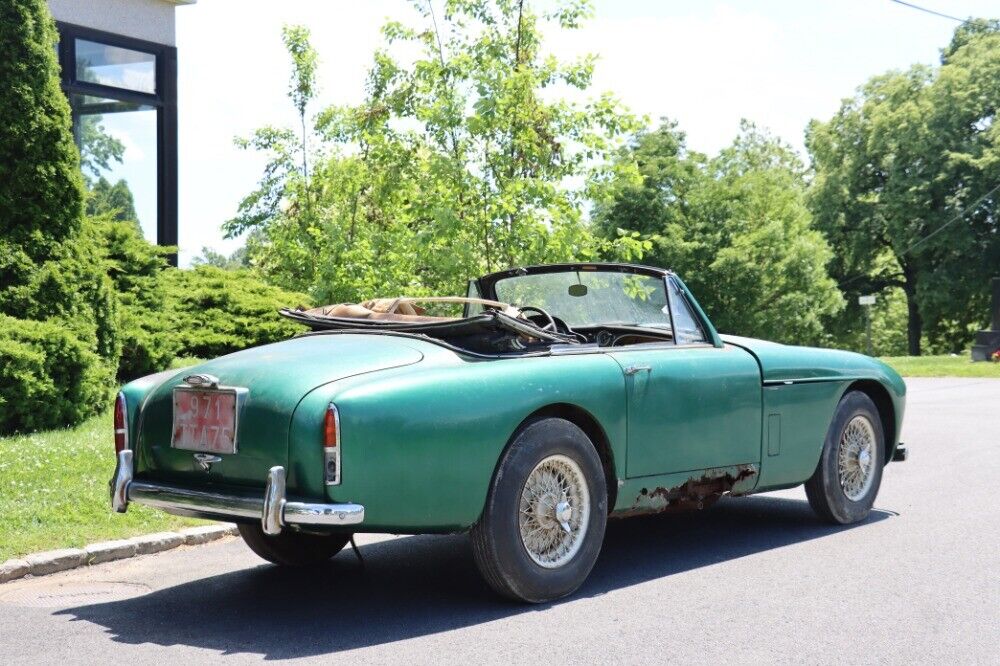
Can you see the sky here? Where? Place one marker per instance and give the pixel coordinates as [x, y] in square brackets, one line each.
[705, 63]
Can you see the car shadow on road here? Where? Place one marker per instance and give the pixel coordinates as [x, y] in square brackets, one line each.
[422, 585]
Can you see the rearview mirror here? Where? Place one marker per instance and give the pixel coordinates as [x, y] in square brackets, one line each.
[578, 290]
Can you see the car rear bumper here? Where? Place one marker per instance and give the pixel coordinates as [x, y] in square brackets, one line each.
[271, 509]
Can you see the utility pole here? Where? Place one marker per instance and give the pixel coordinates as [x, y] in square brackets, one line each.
[867, 302]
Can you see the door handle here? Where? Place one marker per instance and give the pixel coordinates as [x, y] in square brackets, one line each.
[636, 369]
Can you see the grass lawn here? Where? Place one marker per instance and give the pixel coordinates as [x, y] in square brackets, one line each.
[942, 366]
[54, 492]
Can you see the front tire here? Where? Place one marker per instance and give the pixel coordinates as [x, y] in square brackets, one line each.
[543, 524]
[292, 549]
[843, 488]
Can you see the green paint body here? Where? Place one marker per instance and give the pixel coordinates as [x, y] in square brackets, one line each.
[423, 427]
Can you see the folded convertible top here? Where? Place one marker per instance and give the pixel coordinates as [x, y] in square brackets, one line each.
[489, 331]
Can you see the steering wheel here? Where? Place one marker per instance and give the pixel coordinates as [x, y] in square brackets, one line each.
[551, 326]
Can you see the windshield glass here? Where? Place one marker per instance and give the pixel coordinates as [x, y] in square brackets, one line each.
[590, 298]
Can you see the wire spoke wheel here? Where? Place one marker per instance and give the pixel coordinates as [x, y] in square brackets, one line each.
[554, 511]
[856, 458]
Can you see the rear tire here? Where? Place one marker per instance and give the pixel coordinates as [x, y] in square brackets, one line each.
[843, 488]
[292, 549]
[543, 524]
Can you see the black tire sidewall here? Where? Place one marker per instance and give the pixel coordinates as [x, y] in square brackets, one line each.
[292, 549]
[842, 509]
[523, 576]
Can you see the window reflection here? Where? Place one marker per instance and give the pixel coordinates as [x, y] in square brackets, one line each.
[115, 66]
[118, 142]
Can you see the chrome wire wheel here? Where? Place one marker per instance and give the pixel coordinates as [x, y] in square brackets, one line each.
[856, 458]
[554, 511]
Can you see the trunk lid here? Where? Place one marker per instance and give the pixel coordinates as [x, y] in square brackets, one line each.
[277, 377]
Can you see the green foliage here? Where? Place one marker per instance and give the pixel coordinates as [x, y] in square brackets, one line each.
[134, 267]
[735, 226]
[216, 312]
[97, 148]
[115, 200]
[41, 194]
[899, 160]
[461, 159]
[302, 86]
[47, 268]
[58, 312]
[48, 377]
[209, 257]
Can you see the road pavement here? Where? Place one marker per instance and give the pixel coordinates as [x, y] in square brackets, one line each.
[752, 580]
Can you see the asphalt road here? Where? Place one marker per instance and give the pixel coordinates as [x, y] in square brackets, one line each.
[751, 580]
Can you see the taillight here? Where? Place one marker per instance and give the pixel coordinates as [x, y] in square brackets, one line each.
[331, 446]
[121, 424]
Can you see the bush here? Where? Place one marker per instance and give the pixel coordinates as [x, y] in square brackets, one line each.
[41, 188]
[59, 317]
[135, 268]
[216, 311]
[48, 377]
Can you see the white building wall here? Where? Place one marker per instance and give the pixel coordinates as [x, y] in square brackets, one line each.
[151, 20]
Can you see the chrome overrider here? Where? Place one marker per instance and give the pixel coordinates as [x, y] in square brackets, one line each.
[272, 510]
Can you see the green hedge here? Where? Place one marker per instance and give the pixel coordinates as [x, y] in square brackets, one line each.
[217, 311]
[135, 267]
[48, 377]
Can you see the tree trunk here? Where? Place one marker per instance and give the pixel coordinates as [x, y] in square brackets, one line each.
[914, 322]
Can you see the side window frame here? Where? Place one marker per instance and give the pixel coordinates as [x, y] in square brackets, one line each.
[472, 292]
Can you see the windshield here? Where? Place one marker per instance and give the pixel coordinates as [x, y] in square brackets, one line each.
[591, 298]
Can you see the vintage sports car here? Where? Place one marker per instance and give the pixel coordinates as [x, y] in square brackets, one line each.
[562, 395]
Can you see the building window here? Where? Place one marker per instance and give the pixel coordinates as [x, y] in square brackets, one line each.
[122, 93]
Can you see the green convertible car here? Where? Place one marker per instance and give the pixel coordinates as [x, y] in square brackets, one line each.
[559, 396]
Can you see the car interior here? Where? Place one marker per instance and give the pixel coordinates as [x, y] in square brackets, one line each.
[567, 311]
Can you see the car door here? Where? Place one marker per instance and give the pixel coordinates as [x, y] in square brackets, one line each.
[691, 405]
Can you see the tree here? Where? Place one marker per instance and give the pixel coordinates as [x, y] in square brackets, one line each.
[115, 200]
[460, 161]
[41, 190]
[209, 257]
[50, 264]
[97, 148]
[904, 187]
[735, 226]
[302, 87]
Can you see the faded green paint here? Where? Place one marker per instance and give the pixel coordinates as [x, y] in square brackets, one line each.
[423, 427]
[774, 434]
[278, 376]
[696, 407]
[805, 411]
[420, 444]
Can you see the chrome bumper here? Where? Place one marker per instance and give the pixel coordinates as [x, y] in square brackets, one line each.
[272, 510]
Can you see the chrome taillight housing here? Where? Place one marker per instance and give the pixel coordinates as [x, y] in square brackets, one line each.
[121, 424]
[331, 446]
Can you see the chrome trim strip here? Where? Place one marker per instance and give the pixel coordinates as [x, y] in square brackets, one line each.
[809, 380]
[272, 509]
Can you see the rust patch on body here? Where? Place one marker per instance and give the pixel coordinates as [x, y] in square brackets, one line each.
[694, 494]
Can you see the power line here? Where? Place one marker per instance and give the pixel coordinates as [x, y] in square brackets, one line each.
[951, 221]
[921, 241]
[928, 11]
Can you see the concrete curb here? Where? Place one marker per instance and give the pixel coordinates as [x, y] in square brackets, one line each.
[53, 561]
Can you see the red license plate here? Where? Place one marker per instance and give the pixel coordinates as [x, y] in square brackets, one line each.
[204, 420]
